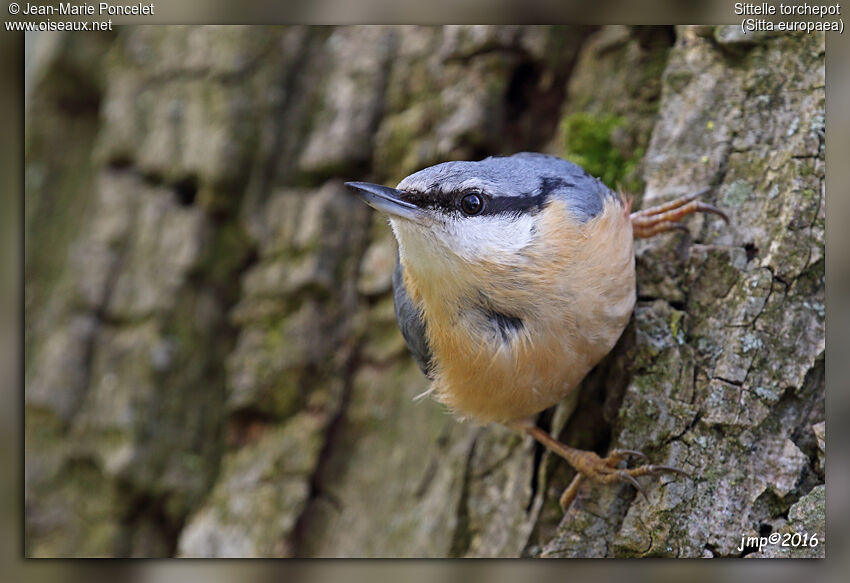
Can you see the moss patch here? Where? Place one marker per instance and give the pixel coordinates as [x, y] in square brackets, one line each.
[588, 141]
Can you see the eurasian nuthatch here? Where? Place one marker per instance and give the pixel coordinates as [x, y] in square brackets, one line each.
[515, 276]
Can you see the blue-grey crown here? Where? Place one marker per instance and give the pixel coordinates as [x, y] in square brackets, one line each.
[520, 183]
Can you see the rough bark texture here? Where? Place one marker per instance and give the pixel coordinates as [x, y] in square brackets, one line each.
[212, 362]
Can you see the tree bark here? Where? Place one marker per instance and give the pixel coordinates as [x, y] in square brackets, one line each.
[212, 362]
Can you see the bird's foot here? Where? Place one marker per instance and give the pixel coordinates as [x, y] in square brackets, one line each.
[603, 470]
[664, 217]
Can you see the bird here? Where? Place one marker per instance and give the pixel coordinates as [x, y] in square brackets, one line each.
[515, 276]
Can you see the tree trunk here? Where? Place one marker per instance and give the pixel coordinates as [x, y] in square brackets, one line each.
[212, 362]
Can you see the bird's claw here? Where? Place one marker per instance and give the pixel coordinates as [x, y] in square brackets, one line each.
[625, 476]
[664, 217]
[654, 470]
[605, 471]
[621, 454]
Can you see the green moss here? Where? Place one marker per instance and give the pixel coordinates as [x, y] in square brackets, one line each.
[587, 141]
[279, 340]
[676, 323]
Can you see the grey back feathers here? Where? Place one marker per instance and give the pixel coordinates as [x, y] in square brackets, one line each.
[523, 182]
[410, 322]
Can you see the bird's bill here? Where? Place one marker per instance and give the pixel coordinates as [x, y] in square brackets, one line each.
[385, 199]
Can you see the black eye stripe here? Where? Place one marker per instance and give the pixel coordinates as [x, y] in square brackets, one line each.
[450, 202]
[502, 205]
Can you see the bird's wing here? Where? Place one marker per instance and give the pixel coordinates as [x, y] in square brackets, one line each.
[410, 322]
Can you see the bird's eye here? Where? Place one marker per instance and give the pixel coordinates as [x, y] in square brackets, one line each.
[472, 204]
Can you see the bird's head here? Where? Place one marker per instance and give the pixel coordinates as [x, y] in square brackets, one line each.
[489, 211]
